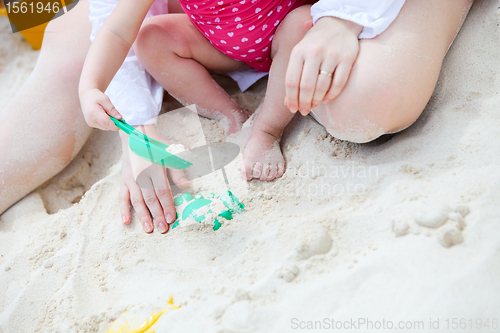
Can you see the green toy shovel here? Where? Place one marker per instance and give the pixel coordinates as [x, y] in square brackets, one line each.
[150, 149]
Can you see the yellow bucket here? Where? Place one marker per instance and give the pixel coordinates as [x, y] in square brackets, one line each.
[34, 35]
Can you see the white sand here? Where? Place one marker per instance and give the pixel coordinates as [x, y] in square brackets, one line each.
[393, 251]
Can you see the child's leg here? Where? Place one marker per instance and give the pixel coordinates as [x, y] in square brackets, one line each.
[262, 158]
[174, 7]
[179, 57]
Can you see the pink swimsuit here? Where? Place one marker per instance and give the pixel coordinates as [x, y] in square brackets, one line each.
[242, 29]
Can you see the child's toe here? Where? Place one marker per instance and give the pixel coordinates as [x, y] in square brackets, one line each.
[257, 170]
[272, 173]
[281, 170]
[266, 168]
[247, 171]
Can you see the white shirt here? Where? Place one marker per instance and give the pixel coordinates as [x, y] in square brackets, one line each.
[374, 15]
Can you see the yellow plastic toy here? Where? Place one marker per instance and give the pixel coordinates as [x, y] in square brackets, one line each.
[140, 324]
[34, 35]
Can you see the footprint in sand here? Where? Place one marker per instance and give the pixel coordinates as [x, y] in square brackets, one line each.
[457, 220]
[400, 228]
[462, 210]
[288, 273]
[241, 317]
[432, 214]
[316, 241]
[449, 235]
[448, 221]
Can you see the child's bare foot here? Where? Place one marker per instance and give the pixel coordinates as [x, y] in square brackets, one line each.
[262, 158]
[233, 119]
[236, 120]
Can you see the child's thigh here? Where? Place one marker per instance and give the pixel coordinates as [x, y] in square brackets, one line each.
[174, 7]
[176, 33]
[395, 73]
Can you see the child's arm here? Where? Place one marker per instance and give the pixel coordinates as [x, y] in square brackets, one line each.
[105, 56]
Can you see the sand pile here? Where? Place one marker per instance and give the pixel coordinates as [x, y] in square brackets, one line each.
[405, 229]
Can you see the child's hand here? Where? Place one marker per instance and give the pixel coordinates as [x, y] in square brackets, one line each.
[95, 107]
[331, 46]
[146, 188]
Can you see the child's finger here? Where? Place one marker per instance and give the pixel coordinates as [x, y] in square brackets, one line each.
[124, 204]
[109, 107]
[105, 122]
[339, 81]
[114, 112]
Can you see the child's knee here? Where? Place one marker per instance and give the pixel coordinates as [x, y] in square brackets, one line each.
[149, 33]
[163, 37]
[293, 28]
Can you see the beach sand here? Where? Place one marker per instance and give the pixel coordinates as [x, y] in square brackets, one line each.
[404, 229]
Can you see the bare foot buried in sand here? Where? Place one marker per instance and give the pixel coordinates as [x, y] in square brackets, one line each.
[263, 158]
[236, 121]
[232, 118]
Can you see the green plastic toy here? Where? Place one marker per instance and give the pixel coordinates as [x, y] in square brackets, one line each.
[221, 152]
[232, 204]
[150, 149]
